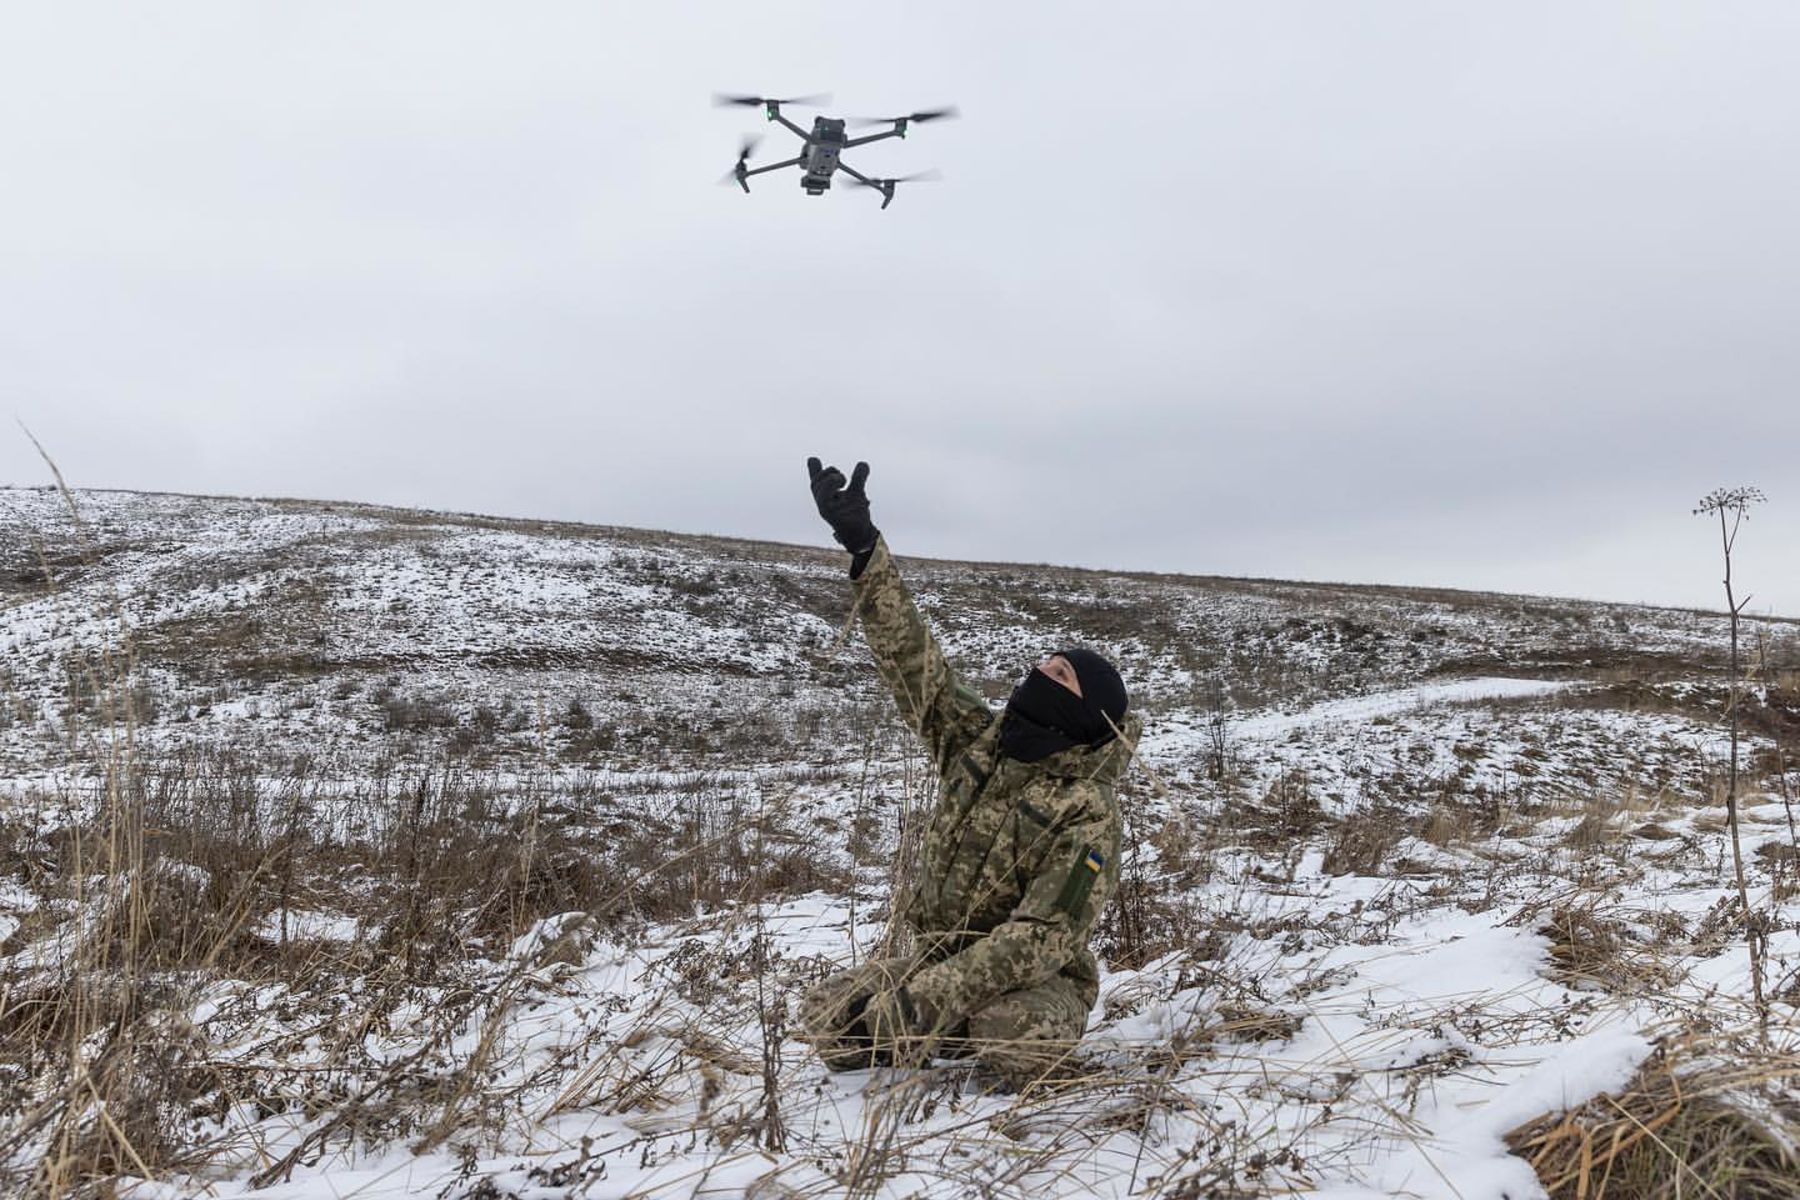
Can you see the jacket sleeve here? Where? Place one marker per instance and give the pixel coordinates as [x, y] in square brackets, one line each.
[942, 710]
[1049, 926]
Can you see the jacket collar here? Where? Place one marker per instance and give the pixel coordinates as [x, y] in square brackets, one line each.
[1104, 764]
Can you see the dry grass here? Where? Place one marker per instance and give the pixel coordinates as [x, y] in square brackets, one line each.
[1704, 1117]
[1361, 843]
[170, 874]
[1590, 949]
[173, 875]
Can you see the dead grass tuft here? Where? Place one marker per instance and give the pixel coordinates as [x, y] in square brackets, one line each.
[1362, 842]
[1700, 1119]
[1591, 950]
[1247, 1023]
[1593, 830]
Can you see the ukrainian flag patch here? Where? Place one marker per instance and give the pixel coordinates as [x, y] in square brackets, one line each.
[1073, 897]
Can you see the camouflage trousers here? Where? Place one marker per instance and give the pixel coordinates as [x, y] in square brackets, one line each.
[1022, 1036]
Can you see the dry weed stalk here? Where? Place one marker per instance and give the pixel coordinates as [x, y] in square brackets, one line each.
[1732, 507]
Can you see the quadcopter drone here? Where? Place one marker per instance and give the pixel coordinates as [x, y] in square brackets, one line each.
[821, 156]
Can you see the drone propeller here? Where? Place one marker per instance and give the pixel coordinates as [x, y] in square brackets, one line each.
[736, 174]
[930, 114]
[720, 99]
[930, 176]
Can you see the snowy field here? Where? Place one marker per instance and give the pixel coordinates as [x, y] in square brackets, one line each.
[1352, 1037]
[1406, 871]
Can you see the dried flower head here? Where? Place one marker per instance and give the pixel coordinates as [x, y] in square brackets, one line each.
[1733, 500]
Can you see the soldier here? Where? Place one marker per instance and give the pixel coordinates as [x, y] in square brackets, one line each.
[1019, 856]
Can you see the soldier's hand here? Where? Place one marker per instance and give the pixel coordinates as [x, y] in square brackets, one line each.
[844, 506]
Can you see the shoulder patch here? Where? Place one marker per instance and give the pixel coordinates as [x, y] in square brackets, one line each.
[1086, 869]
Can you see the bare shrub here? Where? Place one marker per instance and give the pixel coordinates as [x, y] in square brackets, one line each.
[1455, 819]
[399, 713]
[1147, 920]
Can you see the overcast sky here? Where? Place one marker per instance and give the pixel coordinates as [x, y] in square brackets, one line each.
[1477, 295]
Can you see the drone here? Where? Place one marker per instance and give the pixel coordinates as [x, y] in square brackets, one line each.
[821, 157]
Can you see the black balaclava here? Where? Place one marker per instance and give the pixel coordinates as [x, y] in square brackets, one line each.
[1044, 717]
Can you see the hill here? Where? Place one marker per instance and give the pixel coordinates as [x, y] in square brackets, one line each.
[350, 846]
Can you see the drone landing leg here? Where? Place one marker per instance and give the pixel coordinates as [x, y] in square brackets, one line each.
[885, 188]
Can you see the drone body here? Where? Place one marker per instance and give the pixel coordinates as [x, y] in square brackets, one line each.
[821, 153]
[820, 158]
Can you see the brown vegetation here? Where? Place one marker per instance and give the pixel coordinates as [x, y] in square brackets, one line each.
[1705, 1116]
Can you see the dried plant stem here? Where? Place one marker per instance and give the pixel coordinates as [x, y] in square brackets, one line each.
[1752, 933]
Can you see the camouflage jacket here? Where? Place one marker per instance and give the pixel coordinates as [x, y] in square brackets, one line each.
[1019, 858]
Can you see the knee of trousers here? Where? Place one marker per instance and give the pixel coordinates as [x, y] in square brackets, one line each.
[1023, 1035]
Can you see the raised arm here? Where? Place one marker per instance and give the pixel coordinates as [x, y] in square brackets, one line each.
[942, 710]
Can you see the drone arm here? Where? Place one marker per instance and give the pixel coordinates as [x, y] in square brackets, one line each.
[873, 137]
[855, 174]
[884, 186]
[792, 162]
[797, 131]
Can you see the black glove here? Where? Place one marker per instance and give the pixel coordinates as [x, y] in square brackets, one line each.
[846, 508]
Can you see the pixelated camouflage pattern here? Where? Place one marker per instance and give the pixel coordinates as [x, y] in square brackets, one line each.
[1031, 1033]
[1005, 837]
[1023, 1035]
[831, 1014]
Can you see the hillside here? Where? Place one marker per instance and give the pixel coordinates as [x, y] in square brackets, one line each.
[369, 848]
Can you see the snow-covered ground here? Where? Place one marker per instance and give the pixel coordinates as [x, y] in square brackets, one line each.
[1348, 1036]
[1365, 824]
